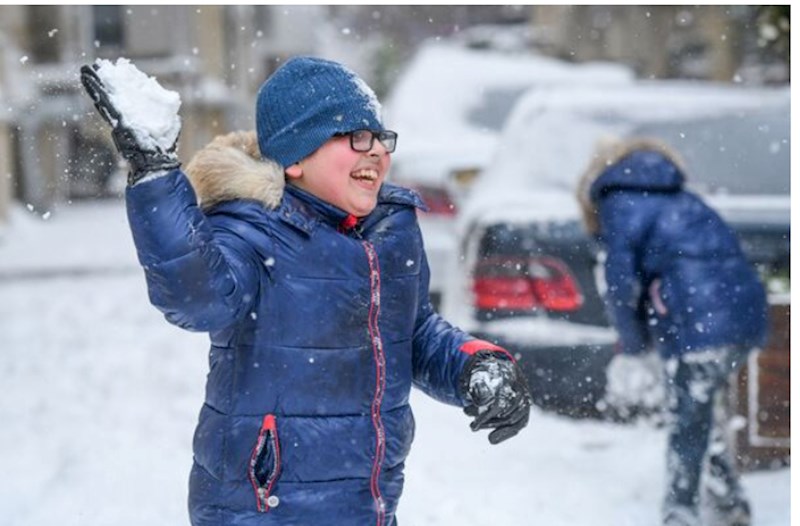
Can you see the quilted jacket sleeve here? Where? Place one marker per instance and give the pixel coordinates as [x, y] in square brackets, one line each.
[200, 273]
[623, 227]
[441, 350]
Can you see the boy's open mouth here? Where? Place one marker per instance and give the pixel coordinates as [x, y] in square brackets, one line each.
[367, 174]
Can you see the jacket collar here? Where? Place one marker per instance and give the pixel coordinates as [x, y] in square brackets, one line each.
[305, 211]
[231, 168]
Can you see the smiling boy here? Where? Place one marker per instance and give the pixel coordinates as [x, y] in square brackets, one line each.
[341, 174]
[315, 298]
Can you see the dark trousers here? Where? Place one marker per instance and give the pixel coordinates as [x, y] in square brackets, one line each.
[698, 440]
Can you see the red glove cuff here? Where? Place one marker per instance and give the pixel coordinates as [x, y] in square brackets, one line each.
[473, 346]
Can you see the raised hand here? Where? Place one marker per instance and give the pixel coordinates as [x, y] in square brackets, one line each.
[144, 156]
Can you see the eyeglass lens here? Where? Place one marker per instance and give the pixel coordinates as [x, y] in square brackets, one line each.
[362, 140]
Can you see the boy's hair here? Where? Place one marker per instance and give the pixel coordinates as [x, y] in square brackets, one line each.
[307, 101]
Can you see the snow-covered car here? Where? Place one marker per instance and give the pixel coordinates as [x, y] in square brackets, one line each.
[448, 107]
[529, 277]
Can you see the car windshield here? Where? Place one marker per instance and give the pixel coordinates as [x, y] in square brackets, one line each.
[731, 154]
[494, 107]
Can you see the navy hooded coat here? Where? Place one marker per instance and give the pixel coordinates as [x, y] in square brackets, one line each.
[676, 275]
[317, 335]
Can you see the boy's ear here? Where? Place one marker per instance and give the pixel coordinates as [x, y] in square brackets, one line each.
[295, 171]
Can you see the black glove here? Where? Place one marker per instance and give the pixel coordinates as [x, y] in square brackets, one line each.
[497, 393]
[142, 159]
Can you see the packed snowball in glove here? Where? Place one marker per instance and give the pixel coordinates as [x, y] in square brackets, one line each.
[146, 108]
[497, 393]
[142, 114]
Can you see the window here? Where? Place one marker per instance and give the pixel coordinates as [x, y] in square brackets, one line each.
[108, 26]
[45, 38]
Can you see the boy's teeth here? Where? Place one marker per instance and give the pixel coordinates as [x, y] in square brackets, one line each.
[365, 174]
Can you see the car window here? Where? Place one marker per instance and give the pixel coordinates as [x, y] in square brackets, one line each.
[494, 107]
[731, 154]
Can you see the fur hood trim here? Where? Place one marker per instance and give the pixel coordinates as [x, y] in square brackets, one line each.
[608, 152]
[231, 167]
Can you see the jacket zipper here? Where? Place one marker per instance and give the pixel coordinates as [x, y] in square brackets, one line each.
[380, 379]
[267, 440]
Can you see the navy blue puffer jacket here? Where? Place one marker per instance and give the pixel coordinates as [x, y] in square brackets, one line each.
[676, 275]
[317, 336]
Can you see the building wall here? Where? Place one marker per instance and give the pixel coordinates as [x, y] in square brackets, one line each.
[5, 171]
[658, 41]
[5, 129]
[215, 57]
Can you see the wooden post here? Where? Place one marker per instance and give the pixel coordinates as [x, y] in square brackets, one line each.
[761, 399]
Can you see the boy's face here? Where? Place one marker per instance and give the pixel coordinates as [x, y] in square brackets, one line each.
[343, 177]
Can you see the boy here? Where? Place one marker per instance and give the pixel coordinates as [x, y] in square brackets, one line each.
[315, 298]
[677, 279]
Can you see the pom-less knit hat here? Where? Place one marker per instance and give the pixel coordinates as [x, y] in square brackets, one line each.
[305, 102]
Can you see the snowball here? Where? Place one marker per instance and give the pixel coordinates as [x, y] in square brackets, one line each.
[148, 109]
[635, 381]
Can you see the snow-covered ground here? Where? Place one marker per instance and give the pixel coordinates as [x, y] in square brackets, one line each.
[100, 396]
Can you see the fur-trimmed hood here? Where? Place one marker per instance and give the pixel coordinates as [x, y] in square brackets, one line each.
[231, 167]
[612, 152]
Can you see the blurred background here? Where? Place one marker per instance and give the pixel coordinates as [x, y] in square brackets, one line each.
[216, 57]
[498, 109]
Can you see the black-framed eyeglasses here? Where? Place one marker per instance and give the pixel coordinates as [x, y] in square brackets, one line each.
[363, 140]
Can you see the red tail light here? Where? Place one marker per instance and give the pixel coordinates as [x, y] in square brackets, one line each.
[438, 200]
[519, 285]
[504, 293]
[557, 290]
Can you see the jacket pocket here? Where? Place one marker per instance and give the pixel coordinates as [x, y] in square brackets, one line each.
[265, 465]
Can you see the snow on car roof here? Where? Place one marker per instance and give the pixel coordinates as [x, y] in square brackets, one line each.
[444, 80]
[451, 101]
[517, 206]
[551, 134]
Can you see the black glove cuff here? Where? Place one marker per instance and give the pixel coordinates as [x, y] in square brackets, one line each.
[141, 170]
[142, 162]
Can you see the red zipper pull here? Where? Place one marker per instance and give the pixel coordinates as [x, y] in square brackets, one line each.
[348, 223]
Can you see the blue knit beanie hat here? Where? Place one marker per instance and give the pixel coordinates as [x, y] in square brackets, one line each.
[305, 102]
